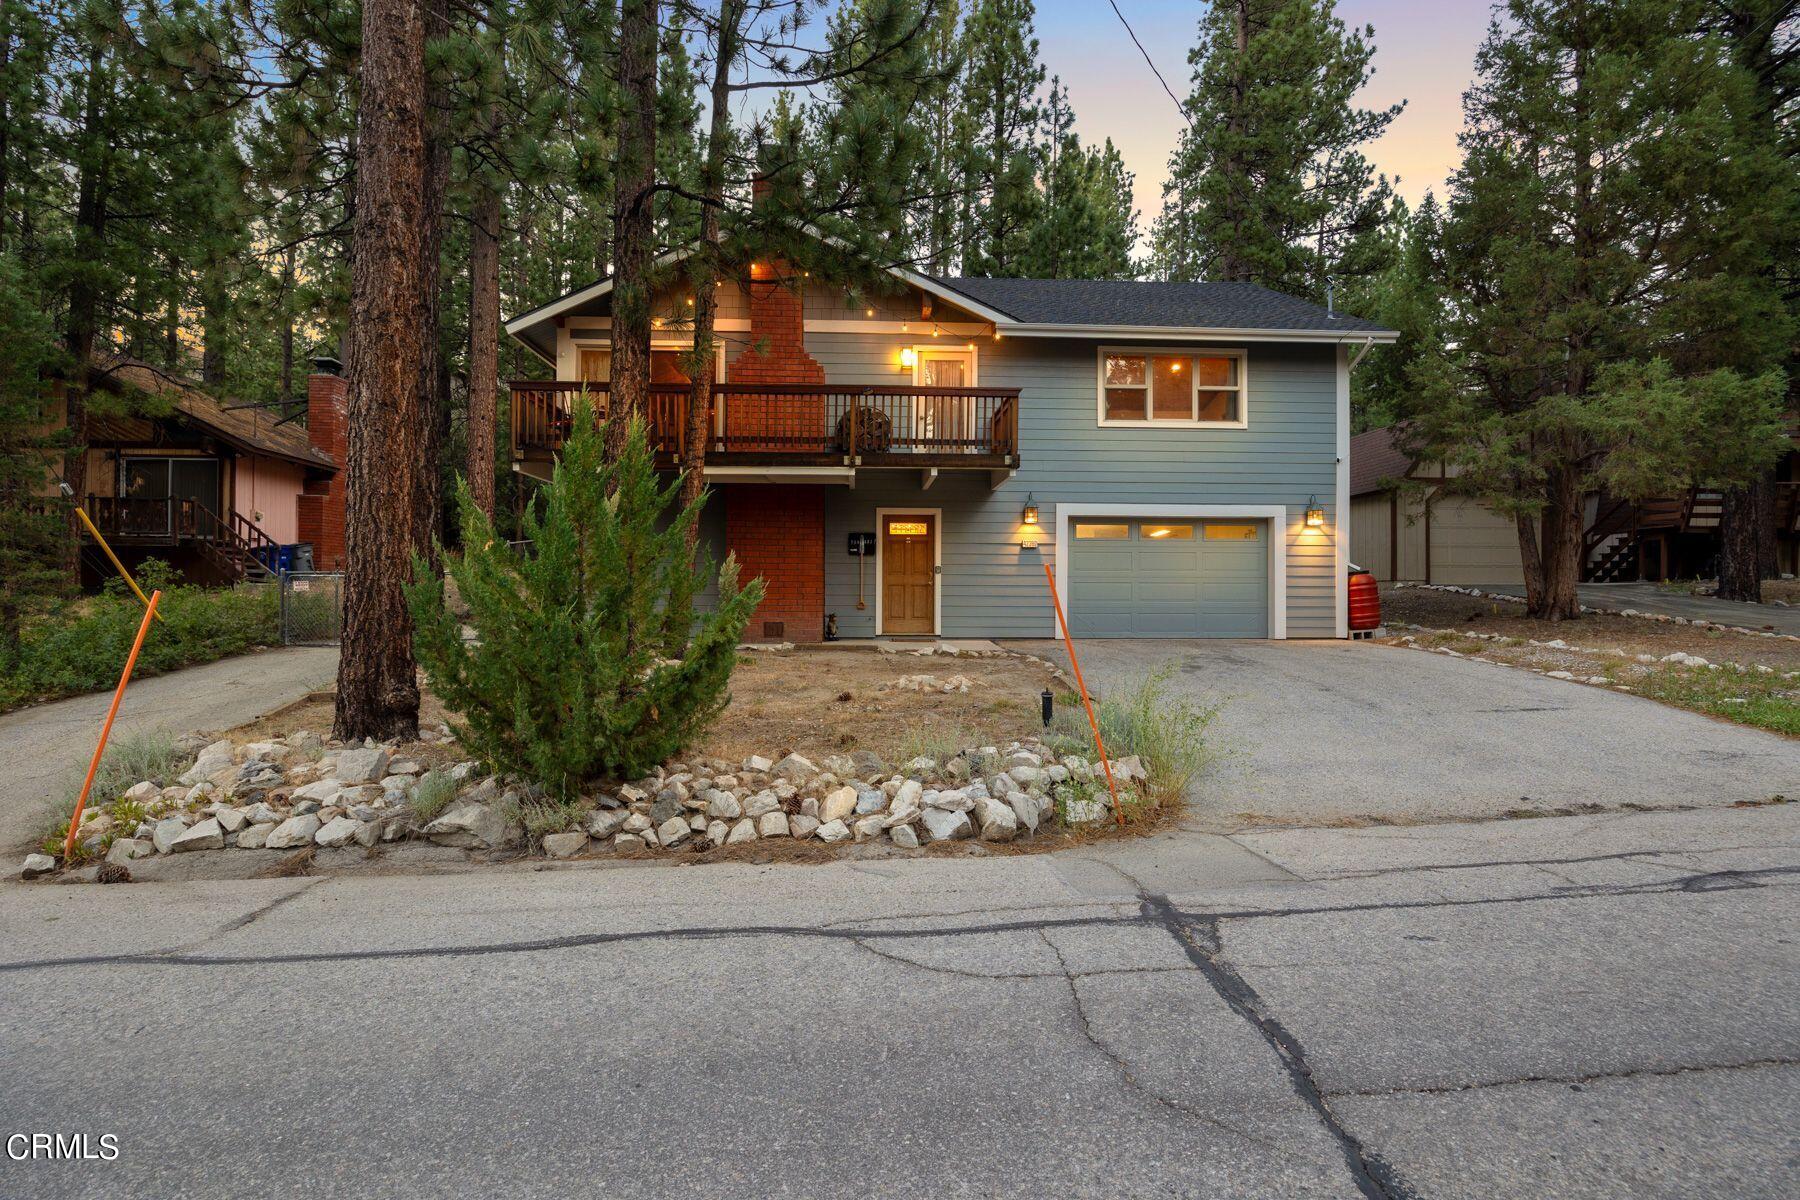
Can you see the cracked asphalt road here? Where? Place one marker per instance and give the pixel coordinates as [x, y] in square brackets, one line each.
[1596, 1006]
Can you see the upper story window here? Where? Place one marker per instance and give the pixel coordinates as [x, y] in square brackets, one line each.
[1166, 387]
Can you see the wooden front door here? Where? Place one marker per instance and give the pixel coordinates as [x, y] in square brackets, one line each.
[909, 573]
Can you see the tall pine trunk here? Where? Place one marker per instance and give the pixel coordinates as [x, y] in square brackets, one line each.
[389, 404]
[428, 493]
[484, 341]
[84, 301]
[633, 217]
[1559, 543]
[706, 277]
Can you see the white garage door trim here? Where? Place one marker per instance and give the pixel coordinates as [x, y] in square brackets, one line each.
[1274, 514]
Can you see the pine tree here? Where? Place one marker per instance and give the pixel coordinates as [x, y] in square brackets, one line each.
[1089, 222]
[589, 662]
[32, 535]
[999, 135]
[1594, 254]
[1269, 183]
[1406, 297]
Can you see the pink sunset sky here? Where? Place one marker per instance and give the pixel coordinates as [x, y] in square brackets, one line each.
[1424, 54]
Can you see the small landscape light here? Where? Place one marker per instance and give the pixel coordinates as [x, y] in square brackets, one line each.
[1315, 515]
[1049, 704]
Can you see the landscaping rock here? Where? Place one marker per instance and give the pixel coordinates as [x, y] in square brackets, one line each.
[142, 792]
[361, 764]
[603, 823]
[470, 826]
[833, 831]
[772, 824]
[255, 837]
[205, 836]
[673, 831]
[166, 831]
[743, 831]
[664, 808]
[628, 841]
[336, 832]
[1025, 808]
[723, 805]
[123, 850]
[294, 832]
[869, 827]
[803, 826]
[717, 832]
[953, 800]
[756, 762]
[905, 837]
[947, 825]
[866, 764]
[761, 804]
[368, 832]
[997, 820]
[324, 791]
[838, 805]
[36, 865]
[908, 794]
[793, 768]
[565, 845]
[231, 820]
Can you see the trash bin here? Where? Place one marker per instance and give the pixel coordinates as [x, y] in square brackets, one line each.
[303, 557]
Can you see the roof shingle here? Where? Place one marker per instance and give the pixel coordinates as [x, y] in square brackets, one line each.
[1133, 302]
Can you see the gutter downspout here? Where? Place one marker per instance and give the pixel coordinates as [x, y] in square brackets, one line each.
[1368, 345]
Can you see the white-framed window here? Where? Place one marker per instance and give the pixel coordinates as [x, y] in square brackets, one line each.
[1166, 386]
[668, 361]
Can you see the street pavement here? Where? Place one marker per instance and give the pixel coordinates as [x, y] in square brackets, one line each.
[43, 746]
[1584, 1006]
[1317, 732]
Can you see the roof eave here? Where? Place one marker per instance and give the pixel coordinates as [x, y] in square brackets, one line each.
[1211, 333]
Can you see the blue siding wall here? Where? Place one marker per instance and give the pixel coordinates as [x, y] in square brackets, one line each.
[994, 588]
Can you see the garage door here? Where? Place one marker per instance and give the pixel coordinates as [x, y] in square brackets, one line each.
[1131, 577]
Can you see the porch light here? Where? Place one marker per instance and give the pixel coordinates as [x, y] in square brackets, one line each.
[909, 358]
[1315, 514]
[868, 312]
[1030, 515]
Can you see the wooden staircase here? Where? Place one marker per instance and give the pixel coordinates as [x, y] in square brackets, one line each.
[1614, 544]
[235, 545]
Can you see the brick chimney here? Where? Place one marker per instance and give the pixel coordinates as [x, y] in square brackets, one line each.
[777, 531]
[321, 505]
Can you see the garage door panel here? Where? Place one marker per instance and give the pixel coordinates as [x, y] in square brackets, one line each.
[1170, 586]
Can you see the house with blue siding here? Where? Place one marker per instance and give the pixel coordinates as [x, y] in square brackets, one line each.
[1177, 454]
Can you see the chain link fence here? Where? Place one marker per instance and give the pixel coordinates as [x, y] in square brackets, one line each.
[312, 608]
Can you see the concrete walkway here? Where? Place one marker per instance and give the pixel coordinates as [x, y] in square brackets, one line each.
[42, 746]
[1323, 732]
[1647, 597]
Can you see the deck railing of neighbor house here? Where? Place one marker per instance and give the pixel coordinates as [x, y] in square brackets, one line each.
[238, 544]
[825, 423]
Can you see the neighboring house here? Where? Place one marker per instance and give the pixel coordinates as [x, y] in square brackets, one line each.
[1421, 532]
[909, 464]
[215, 488]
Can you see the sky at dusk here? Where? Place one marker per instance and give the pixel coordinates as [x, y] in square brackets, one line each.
[1424, 54]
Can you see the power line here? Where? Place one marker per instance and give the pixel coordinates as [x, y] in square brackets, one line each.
[1179, 106]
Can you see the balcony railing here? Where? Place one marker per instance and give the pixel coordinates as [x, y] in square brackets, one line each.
[797, 423]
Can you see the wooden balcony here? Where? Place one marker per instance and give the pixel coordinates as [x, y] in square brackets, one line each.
[238, 547]
[798, 424]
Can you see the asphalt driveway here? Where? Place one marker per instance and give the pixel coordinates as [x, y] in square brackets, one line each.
[1332, 731]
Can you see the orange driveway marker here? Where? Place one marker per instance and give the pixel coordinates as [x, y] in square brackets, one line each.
[118, 695]
[1063, 623]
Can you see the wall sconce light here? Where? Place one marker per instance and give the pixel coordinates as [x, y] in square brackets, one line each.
[1030, 515]
[1315, 515]
[909, 358]
[1028, 536]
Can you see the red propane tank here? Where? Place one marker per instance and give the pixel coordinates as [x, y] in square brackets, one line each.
[1365, 601]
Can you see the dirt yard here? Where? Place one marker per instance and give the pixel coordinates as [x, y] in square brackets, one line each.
[1753, 680]
[816, 701]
